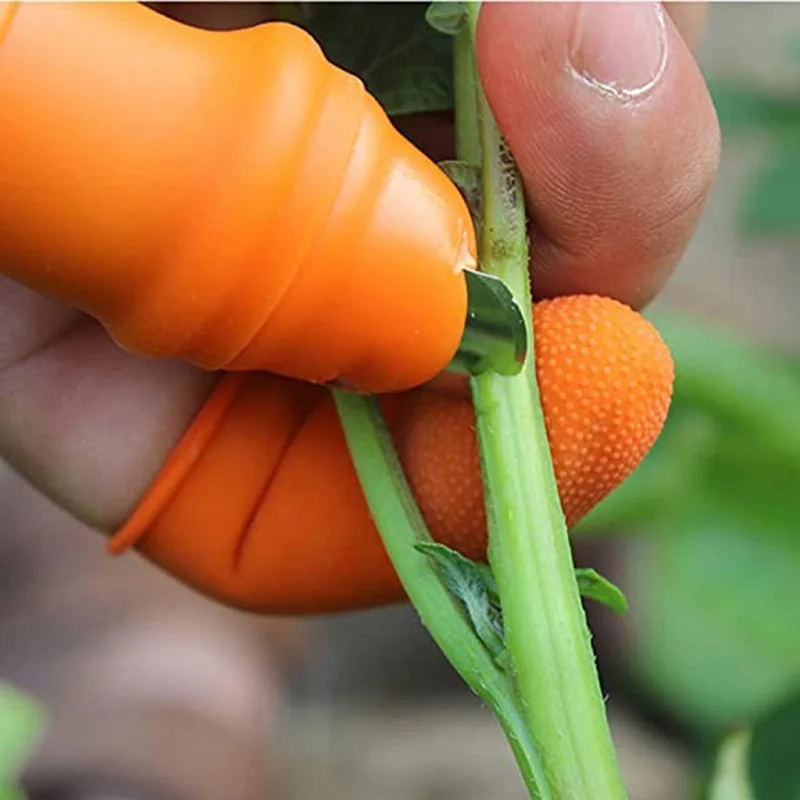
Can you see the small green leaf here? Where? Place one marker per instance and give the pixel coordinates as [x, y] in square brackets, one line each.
[404, 63]
[774, 763]
[730, 778]
[446, 16]
[594, 586]
[474, 586]
[21, 725]
[468, 179]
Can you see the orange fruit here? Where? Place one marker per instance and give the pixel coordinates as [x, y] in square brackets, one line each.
[605, 378]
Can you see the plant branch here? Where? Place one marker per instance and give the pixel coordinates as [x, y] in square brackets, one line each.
[402, 526]
[546, 631]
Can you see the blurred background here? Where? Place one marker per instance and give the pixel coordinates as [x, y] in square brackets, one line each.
[154, 693]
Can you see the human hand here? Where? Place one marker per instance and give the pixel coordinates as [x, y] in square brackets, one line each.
[616, 180]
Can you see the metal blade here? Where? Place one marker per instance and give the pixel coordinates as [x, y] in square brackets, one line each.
[495, 335]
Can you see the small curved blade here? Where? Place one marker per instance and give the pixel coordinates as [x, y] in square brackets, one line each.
[495, 335]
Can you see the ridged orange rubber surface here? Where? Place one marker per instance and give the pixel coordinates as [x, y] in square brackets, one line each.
[230, 198]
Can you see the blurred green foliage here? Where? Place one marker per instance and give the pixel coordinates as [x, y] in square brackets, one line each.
[771, 202]
[773, 765]
[715, 581]
[760, 762]
[21, 727]
[714, 576]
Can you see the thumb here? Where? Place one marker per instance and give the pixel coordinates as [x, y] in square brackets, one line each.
[614, 132]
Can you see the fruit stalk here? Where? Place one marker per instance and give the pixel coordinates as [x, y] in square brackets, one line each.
[546, 632]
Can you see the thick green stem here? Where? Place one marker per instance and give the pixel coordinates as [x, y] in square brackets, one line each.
[550, 707]
[546, 631]
[401, 526]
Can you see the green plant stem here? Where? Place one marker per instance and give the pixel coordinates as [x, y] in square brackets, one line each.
[401, 526]
[466, 88]
[546, 631]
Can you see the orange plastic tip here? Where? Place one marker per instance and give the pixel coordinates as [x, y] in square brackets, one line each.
[261, 507]
[230, 198]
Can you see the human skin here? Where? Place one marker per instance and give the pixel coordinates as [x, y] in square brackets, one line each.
[617, 145]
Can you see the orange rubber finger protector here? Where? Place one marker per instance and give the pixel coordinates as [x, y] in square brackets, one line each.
[230, 198]
[260, 506]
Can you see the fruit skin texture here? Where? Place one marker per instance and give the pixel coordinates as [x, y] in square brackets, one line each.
[605, 378]
[260, 506]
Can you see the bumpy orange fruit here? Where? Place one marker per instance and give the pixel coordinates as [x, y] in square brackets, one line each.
[605, 377]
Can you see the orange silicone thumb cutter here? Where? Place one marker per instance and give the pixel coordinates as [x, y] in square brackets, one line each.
[230, 198]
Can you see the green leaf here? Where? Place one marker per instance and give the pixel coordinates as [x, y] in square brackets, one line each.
[730, 778]
[296, 13]
[774, 765]
[761, 762]
[404, 63]
[474, 586]
[21, 726]
[594, 586]
[714, 602]
[771, 203]
[468, 179]
[446, 16]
